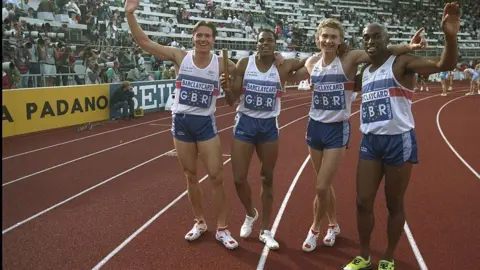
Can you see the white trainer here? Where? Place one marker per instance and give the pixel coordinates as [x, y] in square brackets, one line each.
[224, 236]
[310, 242]
[267, 238]
[332, 232]
[197, 230]
[246, 228]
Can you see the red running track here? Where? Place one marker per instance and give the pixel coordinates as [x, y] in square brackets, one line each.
[81, 206]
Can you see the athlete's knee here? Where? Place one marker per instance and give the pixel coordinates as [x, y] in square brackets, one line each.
[395, 205]
[267, 177]
[365, 204]
[216, 178]
[191, 176]
[239, 177]
[322, 191]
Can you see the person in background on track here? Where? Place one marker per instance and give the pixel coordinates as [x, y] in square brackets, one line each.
[328, 131]
[474, 77]
[193, 121]
[450, 80]
[123, 98]
[422, 79]
[389, 147]
[444, 80]
[256, 125]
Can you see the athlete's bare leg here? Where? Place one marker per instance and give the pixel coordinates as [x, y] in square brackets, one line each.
[369, 176]
[444, 86]
[211, 155]
[267, 154]
[396, 183]
[326, 164]
[187, 156]
[331, 209]
[423, 83]
[450, 80]
[241, 156]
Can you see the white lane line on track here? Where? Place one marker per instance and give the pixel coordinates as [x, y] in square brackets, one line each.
[107, 149]
[160, 125]
[263, 257]
[415, 249]
[448, 142]
[150, 221]
[115, 130]
[278, 218]
[114, 177]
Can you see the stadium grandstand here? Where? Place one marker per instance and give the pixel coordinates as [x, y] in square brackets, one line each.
[40, 31]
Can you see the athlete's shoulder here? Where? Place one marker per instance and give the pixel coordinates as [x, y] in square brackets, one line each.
[312, 60]
[243, 62]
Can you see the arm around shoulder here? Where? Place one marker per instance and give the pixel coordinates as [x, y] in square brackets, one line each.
[300, 73]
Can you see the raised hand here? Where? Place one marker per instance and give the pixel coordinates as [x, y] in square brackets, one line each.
[418, 41]
[451, 19]
[131, 5]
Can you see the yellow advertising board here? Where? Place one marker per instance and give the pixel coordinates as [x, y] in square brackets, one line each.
[30, 110]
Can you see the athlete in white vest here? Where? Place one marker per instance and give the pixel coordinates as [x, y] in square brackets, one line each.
[332, 75]
[193, 123]
[389, 147]
[257, 84]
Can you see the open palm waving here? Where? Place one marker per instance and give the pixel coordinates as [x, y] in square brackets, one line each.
[451, 19]
[131, 5]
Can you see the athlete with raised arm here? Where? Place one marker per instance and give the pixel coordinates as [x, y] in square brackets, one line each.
[328, 131]
[389, 147]
[193, 121]
[258, 84]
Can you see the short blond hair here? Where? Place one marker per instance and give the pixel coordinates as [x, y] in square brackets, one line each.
[335, 24]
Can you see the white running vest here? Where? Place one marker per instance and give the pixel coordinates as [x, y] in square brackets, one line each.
[386, 104]
[196, 89]
[260, 91]
[332, 93]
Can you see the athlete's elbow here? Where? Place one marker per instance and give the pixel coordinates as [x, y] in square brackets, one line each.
[143, 43]
[446, 65]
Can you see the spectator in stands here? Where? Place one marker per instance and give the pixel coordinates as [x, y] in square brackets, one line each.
[169, 73]
[138, 74]
[158, 72]
[122, 98]
[22, 61]
[112, 33]
[107, 55]
[8, 11]
[66, 65]
[92, 73]
[11, 76]
[47, 6]
[46, 51]
[24, 6]
[113, 73]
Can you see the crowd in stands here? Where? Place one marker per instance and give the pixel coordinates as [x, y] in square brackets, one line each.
[67, 42]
